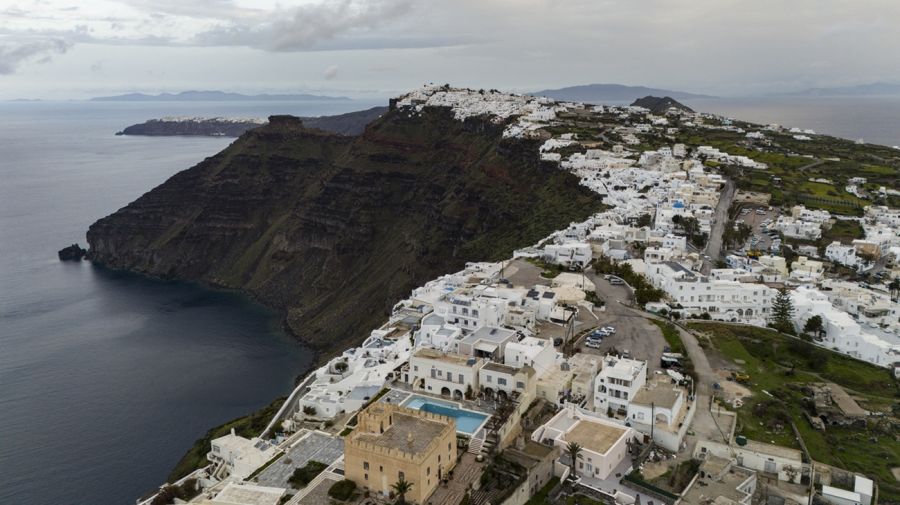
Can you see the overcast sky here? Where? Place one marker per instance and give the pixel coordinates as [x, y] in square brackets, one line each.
[376, 48]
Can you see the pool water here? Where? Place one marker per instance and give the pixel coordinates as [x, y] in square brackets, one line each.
[468, 422]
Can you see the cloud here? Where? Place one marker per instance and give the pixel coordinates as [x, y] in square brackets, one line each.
[330, 72]
[13, 54]
[323, 26]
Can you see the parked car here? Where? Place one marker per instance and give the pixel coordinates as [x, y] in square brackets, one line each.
[609, 329]
[593, 344]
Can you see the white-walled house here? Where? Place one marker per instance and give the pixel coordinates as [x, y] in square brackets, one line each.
[617, 383]
[538, 353]
[842, 333]
[497, 378]
[443, 373]
[240, 456]
[570, 254]
[661, 409]
[604, 444]
[725, 300]
[783, 462]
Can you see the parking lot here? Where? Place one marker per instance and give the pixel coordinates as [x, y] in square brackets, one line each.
[755, 217]
[634, 333]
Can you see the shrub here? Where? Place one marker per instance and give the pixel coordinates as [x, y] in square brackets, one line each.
[303, 476]
[342, 490]
[309, 410]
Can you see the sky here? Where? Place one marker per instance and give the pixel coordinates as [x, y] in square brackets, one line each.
[60, 49]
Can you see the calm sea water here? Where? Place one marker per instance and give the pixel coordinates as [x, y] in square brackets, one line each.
[874, 119]
[107, 378]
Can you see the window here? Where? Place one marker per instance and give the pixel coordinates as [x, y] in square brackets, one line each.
[401, 476]
[380, 468]
[416, 368]
[501, 381]
[520, 385]
[428, 471]
[489, 378]
[365, 465]
[366, 476]
[460, 378]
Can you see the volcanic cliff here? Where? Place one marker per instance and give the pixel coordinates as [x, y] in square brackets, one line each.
[332, 230]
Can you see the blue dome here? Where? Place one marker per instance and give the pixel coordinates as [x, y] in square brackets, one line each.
[678, 205]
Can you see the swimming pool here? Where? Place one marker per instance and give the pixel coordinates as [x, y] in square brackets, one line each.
[468, 422]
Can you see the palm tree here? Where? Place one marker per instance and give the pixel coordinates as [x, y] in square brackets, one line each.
[573, 449]
[401, 487]
[894, 286]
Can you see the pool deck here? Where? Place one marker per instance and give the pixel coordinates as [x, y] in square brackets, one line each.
[401, 397]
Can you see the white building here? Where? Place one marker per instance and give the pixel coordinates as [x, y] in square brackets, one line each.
[725, 300]
[536, 353]
[842, 333]
[604, 444]
[572, 254]
[806, 270]
[240, 456]
[847, 255]
[443, 373]
[617, 383]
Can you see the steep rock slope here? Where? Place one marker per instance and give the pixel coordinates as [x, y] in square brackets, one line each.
[332, 230]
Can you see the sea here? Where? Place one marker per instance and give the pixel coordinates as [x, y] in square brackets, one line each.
[874, 119]
[107, 378]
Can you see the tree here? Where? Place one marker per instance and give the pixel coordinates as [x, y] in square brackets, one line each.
[341, 366]
[894, 287]
[644, 220]
[573, 449]
[401, 487]
[782, 311]
[813, 326]
[309, 410]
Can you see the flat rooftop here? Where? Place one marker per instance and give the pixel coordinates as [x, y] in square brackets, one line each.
[596, 437]
[408, 433]
[773, 450]
[490, 334]
[501, 368]
[658, 394]
[248, 494]
[447, 357]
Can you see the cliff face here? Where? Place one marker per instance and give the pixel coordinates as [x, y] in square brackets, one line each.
[333, 230]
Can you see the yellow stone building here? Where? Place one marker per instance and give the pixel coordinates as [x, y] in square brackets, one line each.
[391, 442]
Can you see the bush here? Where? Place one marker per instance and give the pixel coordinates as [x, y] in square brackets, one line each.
[303, 476]
[342, 490]
[309, 410]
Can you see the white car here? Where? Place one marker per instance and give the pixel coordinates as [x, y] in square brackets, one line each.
[593, 344]
[608, 329]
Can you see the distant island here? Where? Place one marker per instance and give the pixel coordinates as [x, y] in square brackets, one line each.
[351, 123]
[873, 89]
[660, 105]
[215, 96]
[592, 93]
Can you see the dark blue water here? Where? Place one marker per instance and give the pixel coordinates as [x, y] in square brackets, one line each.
[107, 378]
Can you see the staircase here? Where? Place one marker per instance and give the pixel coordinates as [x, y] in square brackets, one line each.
[475, 446]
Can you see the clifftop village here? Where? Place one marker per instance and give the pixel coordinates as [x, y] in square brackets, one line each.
[697, 341]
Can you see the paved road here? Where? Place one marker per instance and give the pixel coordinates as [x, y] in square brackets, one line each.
[714, 244]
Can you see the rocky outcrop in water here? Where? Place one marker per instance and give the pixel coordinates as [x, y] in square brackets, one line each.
[332, 230]
[660, 105]
[73, 252]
